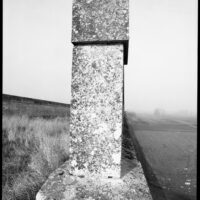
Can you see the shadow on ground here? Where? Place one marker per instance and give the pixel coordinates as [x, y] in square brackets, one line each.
[128, 156]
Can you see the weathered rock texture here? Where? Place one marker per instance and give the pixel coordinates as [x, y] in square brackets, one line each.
[96, 110]
[102, 159]
[100, 20]
[132, 185]
[62, 186]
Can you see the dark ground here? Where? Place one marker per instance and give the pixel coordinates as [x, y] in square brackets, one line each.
[167, 149]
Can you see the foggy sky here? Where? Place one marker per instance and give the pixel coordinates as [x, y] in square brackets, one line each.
[162, 65]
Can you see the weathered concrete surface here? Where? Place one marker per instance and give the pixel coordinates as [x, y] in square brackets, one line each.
[100, 20]
[66, 187]
[133, 186]
[96, 110]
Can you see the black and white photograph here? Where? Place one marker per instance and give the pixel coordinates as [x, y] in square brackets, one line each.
[99, 100]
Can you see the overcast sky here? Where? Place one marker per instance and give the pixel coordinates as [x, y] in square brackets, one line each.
[162, 65]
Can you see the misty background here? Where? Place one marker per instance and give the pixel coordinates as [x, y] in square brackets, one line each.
[162, 66]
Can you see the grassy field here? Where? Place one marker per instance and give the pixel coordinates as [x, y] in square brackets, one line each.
[169, 145]
[33, 147]
[35, 110]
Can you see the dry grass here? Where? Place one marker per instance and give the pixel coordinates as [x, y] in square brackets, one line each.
[32, 149]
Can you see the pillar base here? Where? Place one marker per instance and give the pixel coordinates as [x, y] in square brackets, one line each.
[131, 186]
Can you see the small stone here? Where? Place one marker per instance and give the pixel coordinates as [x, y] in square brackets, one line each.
[89, 1]
[187, 183]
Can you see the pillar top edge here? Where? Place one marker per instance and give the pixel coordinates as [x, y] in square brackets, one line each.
[125, 44]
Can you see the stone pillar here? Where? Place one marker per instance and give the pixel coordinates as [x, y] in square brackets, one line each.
[99, 167]
[100, 38]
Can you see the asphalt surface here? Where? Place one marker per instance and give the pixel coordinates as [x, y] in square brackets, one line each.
[167, 149]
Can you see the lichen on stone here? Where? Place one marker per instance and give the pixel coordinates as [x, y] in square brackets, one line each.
[100, 20]
[96, 109]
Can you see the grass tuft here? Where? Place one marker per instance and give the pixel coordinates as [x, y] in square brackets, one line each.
[32, 149]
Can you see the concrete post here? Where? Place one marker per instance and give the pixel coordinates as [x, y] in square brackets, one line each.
[99, 168]
[100, 38]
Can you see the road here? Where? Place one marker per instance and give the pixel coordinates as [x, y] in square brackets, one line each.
[167, 148]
